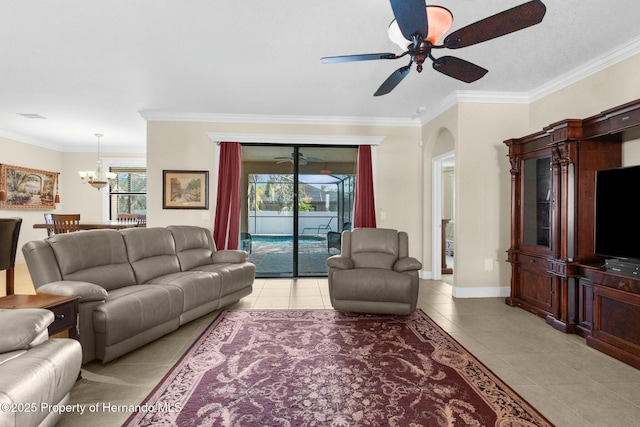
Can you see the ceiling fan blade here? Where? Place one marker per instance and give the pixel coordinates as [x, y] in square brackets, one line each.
[352, 58]
[411, 16]
[393, 80]
[459, 69]
[517, 18]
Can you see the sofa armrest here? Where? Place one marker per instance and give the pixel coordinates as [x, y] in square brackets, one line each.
[23, 328]
[340, 262]
[407, 264]
[85, 290]
[229, 256]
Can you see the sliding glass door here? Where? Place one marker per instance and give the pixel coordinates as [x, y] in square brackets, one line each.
[299, 199]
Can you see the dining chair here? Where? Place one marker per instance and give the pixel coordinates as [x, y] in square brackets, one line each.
[9, 233]
[49, 220]
[128, 216]
[65, 223]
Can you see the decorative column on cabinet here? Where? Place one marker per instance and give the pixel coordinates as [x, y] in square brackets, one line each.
[533, 287]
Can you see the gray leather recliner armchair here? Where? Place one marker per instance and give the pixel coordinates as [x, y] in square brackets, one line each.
[374, 273]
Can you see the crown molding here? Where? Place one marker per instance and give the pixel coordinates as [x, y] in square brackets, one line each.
[29, 140]
[288, 139]
[618, 54]
[470, 96]
[161, 116]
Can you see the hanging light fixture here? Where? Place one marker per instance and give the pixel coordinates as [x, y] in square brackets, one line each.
[439, 19]
[97, 178]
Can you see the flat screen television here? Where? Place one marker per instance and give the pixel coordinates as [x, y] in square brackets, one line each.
[617, 217]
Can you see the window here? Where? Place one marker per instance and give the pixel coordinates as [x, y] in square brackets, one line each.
[128, 194]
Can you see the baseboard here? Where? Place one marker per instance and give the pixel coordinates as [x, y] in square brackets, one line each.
[486, 292]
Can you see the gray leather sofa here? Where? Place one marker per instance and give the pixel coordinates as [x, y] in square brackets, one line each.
[374, 273]
[36, 373]
[138, 284]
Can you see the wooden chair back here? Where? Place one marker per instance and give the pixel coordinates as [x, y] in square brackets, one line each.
[128, 216]
[9, 233]
[132, 218]
[65, 223]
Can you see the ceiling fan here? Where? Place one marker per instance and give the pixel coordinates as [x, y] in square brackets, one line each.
[302, 159]
[417, 33]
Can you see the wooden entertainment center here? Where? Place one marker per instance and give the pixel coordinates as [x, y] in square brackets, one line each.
[555, 273]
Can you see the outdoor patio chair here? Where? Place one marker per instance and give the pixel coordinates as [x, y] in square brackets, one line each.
[320, 227]
[245, 242]
[334, 237]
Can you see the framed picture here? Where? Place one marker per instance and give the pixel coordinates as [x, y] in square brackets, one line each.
[24, 188]
[185, 189]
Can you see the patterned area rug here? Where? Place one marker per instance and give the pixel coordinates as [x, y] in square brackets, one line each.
[327, 368]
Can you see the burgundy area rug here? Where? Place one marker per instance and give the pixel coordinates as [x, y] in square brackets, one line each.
[273, 368]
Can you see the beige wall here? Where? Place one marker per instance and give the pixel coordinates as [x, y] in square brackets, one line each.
[483, 196]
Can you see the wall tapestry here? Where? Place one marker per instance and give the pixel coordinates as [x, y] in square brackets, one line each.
[24, 188]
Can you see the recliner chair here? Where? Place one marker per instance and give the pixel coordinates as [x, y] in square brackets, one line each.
[374, 273]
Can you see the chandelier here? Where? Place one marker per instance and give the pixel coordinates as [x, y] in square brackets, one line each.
[97, 178]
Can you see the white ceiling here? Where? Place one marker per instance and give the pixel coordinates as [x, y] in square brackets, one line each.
[92, 66]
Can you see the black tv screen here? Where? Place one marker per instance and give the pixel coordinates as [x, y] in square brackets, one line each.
[617, 219]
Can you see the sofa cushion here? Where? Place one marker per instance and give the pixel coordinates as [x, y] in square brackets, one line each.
[194, 245]
[134, 309]
[234, 277]
[95, 256]
[374, 248]
[23, 328]
[197, 287]
[151, 252]
[374, 284]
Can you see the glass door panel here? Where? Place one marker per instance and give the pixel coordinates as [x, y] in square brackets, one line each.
[536, 211]
[298, 201]
[326, 185]
[267, 216]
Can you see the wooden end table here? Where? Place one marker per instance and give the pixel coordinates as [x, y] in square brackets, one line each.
[65, 309]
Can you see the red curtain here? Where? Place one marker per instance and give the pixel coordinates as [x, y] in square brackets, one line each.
[227, 222]
[364, 215]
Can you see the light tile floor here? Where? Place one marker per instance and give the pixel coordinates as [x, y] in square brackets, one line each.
[570, 383]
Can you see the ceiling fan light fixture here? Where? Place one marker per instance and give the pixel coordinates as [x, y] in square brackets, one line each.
[440, 20]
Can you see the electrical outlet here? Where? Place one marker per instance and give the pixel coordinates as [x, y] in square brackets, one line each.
[488, 264]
